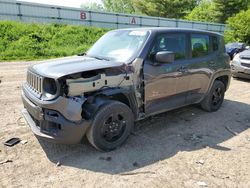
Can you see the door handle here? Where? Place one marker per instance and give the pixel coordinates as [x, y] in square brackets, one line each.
[212, 63]
[182, 69]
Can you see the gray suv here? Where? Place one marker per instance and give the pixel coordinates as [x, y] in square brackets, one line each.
[241, 65]
[126, 76]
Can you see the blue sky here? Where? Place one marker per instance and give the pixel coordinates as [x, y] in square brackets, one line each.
[67, 3]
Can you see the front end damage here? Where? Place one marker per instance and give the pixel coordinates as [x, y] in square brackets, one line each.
[58, 120]
[66, 116]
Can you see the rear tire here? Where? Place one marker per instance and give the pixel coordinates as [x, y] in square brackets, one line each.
[111, 126]
[215, 97]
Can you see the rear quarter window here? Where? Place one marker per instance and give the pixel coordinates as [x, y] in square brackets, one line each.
[200, 45]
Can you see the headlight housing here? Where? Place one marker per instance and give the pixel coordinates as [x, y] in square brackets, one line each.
[50, 88]
[236, 59]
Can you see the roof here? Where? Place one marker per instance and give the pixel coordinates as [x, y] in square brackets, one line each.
[172, 29]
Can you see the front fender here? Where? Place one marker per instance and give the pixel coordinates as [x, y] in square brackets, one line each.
[124, 95]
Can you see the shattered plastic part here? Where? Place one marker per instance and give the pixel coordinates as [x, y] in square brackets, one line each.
[79, 86]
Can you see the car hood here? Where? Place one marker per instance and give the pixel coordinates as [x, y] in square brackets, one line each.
[229, 49]
[245, 54]
[56, 68]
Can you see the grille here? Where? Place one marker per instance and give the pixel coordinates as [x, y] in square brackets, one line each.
[35, 82]
[245, 65]
[245, 57]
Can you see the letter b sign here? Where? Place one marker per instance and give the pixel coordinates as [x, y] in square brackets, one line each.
[83, 16]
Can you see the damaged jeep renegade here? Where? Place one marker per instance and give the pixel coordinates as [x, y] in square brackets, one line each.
[126, 76]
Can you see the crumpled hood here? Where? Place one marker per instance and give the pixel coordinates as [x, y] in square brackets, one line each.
[56, 68]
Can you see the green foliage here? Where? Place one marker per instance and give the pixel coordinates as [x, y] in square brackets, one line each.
[165, 8]
[226, 8]
[39, 41]
[121, 6]
[217, 10]
[204, 12]
[93, 6]
[160, 8]
[239, 27]
[223, 9]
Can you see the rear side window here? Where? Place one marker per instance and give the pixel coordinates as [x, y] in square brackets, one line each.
[171, 42]
[200, 44]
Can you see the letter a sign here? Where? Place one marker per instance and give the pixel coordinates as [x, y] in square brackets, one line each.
[133, 21]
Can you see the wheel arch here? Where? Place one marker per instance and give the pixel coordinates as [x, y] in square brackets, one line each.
[101, 98]
[124, 95]
[225, 80]
[223, 76]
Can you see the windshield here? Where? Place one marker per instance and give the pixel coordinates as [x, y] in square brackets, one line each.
[118, 45]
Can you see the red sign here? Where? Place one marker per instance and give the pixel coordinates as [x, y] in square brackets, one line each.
[83, 16]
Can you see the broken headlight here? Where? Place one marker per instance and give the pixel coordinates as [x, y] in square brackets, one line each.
[49, 88]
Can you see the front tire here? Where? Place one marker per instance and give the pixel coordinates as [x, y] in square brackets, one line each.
[214, 99]
[111, 126]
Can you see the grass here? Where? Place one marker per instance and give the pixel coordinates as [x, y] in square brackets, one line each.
[26, 41]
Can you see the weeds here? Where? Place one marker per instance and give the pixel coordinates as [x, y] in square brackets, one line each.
[25, 41]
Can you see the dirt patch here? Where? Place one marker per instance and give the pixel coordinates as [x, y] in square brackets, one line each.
[182, 148]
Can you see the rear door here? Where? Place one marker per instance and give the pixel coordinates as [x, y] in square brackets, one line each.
[202, 63]
[166, 85]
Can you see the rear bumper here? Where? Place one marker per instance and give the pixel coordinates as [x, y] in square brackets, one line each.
[50, 125]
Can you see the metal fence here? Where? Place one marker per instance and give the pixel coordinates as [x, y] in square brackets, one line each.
[33, 12]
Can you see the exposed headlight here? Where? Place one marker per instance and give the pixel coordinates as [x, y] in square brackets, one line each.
[49, 87]
[236, 59]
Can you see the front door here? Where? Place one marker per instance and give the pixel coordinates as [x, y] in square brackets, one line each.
[166, 85]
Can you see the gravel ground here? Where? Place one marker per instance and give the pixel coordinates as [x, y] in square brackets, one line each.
[182, 148]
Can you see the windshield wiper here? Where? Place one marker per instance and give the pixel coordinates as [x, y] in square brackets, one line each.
[99, 58]
[82, 54]
[96, 57]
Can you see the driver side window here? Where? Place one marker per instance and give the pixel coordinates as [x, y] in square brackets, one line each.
[170, 42]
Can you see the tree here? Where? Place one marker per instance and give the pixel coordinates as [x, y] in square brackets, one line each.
[204, 11]
[223, 9]
[165, 8]
[92, 6]
[120, 6]
[239, 27]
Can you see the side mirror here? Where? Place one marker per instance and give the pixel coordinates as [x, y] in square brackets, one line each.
[165, 57]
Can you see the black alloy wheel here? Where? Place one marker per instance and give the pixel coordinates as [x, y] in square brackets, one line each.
[111, 126]
[213, 101]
